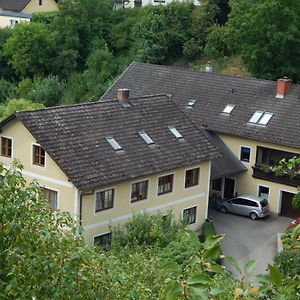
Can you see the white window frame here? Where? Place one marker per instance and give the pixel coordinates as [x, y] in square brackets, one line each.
[12, 148]
[193, 186]
[196, 215]
[34, 165]
[266, 186]
[173, 185]
[54, 190]
[96, 213]
[130, 191]
[250, 156]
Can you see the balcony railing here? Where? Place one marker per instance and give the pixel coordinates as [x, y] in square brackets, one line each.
[259, 172]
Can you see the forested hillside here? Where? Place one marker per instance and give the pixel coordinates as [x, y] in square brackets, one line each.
[74, 55]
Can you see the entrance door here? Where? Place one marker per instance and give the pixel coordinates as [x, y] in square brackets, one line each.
[287, 207]
[229, 188]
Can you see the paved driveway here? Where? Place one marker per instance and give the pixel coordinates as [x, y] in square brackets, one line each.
[246, 239]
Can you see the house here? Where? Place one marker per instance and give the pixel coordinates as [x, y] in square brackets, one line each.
[105, 161]
[17, 11]
[28, 6]
[10, 18]
[140, 3]
[257, 120]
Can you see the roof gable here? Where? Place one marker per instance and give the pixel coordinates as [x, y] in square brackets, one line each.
[213, 92]
[76, 139]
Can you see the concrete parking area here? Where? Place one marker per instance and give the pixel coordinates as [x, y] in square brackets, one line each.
[249, 240]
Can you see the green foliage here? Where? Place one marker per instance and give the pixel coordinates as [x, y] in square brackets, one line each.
[291, 238]
[41, 255]
[6, 90]
[296, 201]
[6, 71]
[266, 33]
[14, 105]
[288, 262]
[30, 49]
[216, 46]
[47, 90]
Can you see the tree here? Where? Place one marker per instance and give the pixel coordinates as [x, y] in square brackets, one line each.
[31, 49]
[14, 105]
[266, 34]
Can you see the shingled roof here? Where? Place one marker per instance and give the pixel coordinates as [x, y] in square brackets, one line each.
[13, 5]
[75, 138]
[213, 92]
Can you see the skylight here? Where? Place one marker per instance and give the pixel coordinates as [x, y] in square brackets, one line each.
[255, 117]
[228, 109]
[114, 143]
[261, 118]
[191, 103]
[265, 118]
[146, 138]
[177, 134]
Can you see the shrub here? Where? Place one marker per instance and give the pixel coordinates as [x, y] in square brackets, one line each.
[296, 201]
[288, 262]
[6, 90]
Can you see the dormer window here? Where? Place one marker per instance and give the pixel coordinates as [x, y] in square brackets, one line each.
[146, 138]
[191, 103]
[261, 118]
[228, 109]
[177, 134]
[114, 143]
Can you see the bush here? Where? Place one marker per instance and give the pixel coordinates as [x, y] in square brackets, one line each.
[6, 90]
[296, 201]
[147, 230]
[288, 262]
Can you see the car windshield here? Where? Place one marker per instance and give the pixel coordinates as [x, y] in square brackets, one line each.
[264, 203]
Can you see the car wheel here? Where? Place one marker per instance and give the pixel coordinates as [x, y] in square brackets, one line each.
[223, 209]
[253, 216]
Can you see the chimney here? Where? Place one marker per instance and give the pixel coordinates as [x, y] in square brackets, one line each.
[208, 67]
[283, 84]
[123, 95]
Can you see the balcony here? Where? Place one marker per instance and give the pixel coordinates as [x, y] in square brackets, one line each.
[259, 172]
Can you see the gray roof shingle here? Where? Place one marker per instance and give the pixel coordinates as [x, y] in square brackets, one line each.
[75, 138]
[226, 165]
[13, 5]
[213, 92]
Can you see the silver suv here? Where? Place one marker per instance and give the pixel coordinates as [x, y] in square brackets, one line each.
[245, 205]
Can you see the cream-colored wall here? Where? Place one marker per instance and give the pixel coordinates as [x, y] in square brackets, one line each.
[47, 5]
[99, 223]
[49, 176]
[245, 183]
[5, 20]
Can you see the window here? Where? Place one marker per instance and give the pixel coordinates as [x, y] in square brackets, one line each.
[139, 191]
[165, 184]
[51, 196]
[192, 177]
[228, 109]
[40, 2]
[104, 200]
[114, 143]
[245, 154]
[177, 134]
[102, 240]
[263, 192]
[38, 156]
[189, 215]
[12, 22]
[146, 138]
[261, 118]
[6, 147]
